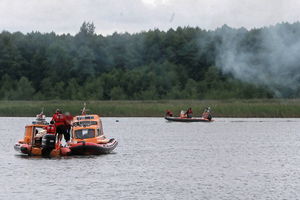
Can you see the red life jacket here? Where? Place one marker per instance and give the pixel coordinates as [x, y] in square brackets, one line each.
[189, 111]
[59, 119]
[69, 118]
[169, 113]
[51, 129]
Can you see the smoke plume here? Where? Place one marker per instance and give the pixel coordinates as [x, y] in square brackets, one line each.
[268, 56]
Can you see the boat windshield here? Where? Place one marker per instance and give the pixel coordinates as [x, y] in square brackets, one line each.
[85, 133]
[37, 130]
[85, 117]
[85, 123]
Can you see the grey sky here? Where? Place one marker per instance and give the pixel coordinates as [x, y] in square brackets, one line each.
[66, 16]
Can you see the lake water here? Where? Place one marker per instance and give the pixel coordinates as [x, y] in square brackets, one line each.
[227, 159]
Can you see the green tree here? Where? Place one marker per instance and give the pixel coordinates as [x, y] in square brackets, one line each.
[117, 93]
[24, 90]
[175, 64]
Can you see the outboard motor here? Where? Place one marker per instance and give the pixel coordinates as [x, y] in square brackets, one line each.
[48, 144]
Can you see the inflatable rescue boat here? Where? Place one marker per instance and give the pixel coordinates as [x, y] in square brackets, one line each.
[37, 143]
[87, 138]
[206, 117]
[185, 119]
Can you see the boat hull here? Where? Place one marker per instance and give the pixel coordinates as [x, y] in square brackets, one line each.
[180, 119]
[89, 148]
[82, 148]
[37, 151]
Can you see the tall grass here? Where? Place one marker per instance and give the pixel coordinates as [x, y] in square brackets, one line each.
[220, 108]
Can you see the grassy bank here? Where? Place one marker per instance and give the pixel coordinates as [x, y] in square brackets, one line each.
[222, 108]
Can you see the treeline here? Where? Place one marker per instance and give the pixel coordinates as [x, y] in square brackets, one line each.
[177, 64]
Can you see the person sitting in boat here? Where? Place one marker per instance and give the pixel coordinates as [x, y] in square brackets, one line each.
[182, 114]
[207, 114]
[189, 113]
[60, 124]
[51, 129]
[169, 113]
[38, 137]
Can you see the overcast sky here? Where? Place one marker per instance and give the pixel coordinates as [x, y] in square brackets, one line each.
[66, 16]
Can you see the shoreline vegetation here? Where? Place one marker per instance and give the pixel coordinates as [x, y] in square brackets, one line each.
[181, 63]
[156, 108]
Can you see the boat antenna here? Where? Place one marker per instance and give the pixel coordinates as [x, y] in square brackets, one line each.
[41, 113]
[83, 112]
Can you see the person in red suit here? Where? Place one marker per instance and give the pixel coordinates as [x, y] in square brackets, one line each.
[169, 113]
[60, 123]
[51, 128]
[189, 113]
[69, 119]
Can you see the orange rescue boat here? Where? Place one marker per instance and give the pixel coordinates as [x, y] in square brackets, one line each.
[37, 143]
[88, 137]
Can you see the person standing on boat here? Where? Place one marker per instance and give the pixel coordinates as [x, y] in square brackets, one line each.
[189, 113]
[60, 124]
[69, 119]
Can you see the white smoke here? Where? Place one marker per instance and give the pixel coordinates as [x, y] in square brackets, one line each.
[268, 56]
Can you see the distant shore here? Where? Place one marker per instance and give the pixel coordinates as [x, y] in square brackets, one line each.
[220, 108]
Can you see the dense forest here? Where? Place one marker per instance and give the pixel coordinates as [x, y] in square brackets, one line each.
[173, 64]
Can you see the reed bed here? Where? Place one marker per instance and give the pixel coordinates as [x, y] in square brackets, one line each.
[220, 108]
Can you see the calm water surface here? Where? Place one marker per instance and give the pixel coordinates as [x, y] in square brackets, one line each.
[228, 159]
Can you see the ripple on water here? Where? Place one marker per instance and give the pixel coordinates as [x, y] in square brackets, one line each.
[226, 159]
